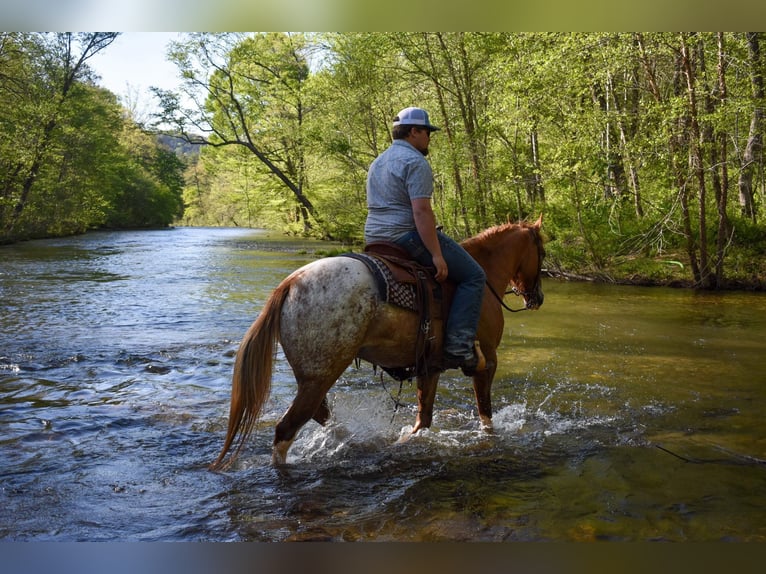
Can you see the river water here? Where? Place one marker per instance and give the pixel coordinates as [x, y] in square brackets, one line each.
[621, 413]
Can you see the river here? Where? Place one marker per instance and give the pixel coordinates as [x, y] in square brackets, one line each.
[621, 413]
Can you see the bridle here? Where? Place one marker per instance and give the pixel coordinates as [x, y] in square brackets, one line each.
[515, 290]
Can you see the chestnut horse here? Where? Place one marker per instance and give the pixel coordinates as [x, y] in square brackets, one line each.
[327, 313]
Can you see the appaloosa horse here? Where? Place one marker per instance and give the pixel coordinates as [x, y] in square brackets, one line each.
[328, 312]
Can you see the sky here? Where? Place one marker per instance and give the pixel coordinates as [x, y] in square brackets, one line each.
[133, 63]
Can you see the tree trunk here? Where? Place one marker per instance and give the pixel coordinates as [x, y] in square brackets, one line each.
[457, 178]
[722, 172]
[535, 190]
[696, 160]
[752, 153]
[624, 151]
[461, 74]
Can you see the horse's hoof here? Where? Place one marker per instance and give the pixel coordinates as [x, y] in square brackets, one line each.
[486, 424]
[404, 438]
[407, 433]
[279, 452]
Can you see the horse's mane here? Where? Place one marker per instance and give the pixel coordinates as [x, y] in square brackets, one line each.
[490, 236]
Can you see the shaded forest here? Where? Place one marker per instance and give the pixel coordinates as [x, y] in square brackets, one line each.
[643, 151]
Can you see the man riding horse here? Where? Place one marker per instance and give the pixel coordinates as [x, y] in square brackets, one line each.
[399, 190]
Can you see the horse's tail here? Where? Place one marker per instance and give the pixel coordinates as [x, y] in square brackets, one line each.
[251, 381]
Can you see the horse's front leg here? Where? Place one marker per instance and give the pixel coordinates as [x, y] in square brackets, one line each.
[482, 387]
[426, 395]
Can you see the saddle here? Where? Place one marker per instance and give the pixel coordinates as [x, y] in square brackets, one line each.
[404, 282]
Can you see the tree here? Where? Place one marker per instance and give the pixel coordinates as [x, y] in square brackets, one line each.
[453, 64]
[57, 63]
[247, 91]
[356, 91]
[630, 143]
[751, 158]
[146, 184]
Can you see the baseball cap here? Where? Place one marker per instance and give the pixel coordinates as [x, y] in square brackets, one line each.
[414, 117]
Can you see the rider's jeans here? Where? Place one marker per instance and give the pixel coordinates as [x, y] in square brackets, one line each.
[463, 318]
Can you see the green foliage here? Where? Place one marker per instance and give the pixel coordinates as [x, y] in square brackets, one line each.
[148, 185]
[634, 146]
[70, 159]
[600, 132]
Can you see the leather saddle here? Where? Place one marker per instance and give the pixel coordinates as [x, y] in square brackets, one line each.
[404, 282]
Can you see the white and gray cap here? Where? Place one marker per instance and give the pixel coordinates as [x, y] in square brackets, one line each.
[414, 117]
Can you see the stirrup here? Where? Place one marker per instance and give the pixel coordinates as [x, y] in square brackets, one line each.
[481, 362]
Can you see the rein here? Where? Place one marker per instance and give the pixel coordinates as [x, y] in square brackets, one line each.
[499, 298]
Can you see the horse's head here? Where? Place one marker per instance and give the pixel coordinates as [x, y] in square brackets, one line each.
[512, 255]
[526, 280]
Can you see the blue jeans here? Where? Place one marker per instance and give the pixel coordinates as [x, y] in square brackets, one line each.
[460, 330]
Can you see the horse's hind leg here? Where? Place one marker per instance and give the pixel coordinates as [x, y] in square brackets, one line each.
[322, 413]
[310, 402]
[281, 444]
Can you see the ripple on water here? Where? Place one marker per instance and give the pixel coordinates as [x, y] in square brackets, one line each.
[114, 398]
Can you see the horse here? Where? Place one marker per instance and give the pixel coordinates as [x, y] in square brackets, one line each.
[328, 313]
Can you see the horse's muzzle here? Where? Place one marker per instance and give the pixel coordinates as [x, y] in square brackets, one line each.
[534, 300]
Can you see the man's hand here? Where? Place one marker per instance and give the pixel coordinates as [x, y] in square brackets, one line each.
[441, 268]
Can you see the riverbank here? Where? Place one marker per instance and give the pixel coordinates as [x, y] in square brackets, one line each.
[671, 270]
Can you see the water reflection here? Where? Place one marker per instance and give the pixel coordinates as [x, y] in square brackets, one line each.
[620, 413]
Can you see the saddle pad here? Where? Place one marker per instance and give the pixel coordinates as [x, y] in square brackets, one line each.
[389, 289]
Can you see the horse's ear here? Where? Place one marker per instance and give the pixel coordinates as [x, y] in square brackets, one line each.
[539, 223]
